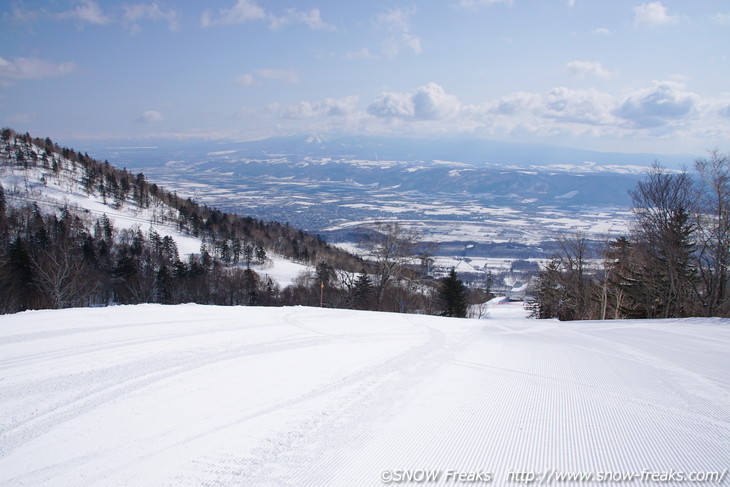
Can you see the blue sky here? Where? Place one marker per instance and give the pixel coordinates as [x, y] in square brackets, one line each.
[607, 75]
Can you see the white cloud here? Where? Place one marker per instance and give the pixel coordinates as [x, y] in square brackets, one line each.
[311, 18]
[515, 103]
[397, 21]
[559, 105]
[588, 68]
[429, 102]
[602, 31]
[661, 104]
[664, 110]
[243, 11]
[721, 18]
[363, 53]
[86, 11]
[392, 105]
[329, 107]
[577, 106]
[248, 10]
[245, 79]
[287, 75]
[32, 68]
[653, 14]
[150, 117]
[250, 79]
[140, 11]
[474, 4]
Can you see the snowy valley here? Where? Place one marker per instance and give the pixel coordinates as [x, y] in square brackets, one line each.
[454, 192]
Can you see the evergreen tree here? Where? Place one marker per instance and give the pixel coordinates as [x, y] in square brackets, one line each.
[163, 283]
[2, 201]
[363, 291]
[260, 254]
[452, 296]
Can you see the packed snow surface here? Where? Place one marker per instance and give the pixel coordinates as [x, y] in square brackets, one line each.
[192, 395]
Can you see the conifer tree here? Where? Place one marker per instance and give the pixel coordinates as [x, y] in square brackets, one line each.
[363, 290]
[452, 296]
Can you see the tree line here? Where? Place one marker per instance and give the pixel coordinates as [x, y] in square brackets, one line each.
[60, 257]
[673, 263]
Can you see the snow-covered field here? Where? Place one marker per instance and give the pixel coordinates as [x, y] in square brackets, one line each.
[192, 395]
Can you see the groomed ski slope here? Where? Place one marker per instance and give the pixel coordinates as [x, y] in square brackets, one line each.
[192, 395]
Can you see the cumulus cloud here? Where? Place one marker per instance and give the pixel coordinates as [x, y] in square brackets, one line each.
[21, 68]
[243, 11]
[514, 103]
[664, 109]
[577, 106]
[562, 105]
[311, 18]
[653, 14]
[86, 11]
[588, 68]
[329, 107]
[248, 10]
[665, 105]
[603, 31]
[397, 21]
[137, 12]
[392, 105]
[429, 102]
[150, 117]
[665, 102]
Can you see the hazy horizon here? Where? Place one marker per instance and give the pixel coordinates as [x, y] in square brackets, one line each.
[631, 76]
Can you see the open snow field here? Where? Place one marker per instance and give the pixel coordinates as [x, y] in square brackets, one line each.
[192, 395]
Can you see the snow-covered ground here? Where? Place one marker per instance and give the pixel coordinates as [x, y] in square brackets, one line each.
[23, 186]
[191, 395]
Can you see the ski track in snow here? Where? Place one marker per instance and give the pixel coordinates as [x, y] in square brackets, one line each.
[212, 396]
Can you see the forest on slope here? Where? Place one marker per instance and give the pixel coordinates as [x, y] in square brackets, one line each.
[57, 257]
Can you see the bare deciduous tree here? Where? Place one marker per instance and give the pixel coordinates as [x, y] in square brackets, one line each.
[392, 247]
[713, 232]
[61, 274]
[665, 240]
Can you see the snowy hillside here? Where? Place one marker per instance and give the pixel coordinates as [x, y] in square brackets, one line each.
[155, 395]
[53, 191]
[50, 178]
